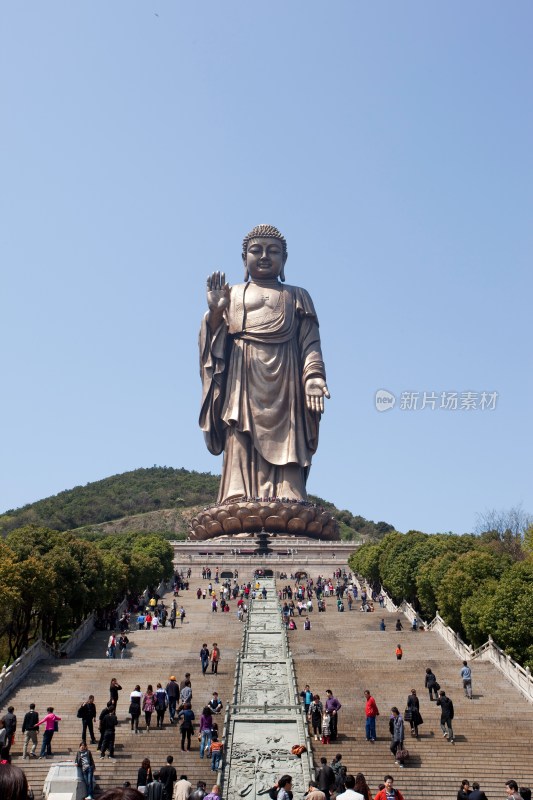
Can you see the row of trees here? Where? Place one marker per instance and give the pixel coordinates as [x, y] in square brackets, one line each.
[50, 580]
[481, 585]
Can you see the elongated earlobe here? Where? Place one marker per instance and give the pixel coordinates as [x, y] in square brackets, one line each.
[282, 274]
[246, 274]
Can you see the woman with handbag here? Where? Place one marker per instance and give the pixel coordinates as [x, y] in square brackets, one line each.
[50, 727]
[144, 776]
[315, 715]
[412, 713]
[397, 733]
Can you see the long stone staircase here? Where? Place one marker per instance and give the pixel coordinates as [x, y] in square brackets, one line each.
[343, 651]
[153, 656]
[348, 653]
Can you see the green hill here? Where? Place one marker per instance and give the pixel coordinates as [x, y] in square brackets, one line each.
[157, 499]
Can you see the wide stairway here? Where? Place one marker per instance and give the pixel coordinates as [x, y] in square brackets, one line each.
[343, 651]
[153, 656]
[346, 652]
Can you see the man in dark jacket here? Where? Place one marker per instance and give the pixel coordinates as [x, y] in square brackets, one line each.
[446, 716]
[173, 692]
[101, 727]
[10, 721]
[155, 790]
[476, 793]
[340, 773]
[29, 729]
[325, 777]
[87, 714]
[200, 792]
[109, 723]
[168, 777]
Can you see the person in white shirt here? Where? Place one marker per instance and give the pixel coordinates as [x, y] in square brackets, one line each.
[350, 794]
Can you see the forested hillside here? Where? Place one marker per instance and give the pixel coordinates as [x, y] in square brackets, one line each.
[125, 495]
[157, 499]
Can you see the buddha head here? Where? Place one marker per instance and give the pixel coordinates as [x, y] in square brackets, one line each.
[264, 252]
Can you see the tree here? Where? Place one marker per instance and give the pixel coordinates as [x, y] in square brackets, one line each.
[504, 530]
[10, 587]
[158, 548]
[401, 558]
[428, 581]
[474, 610]
[506, 612]
[468, 573]
[37, 599]
[528, 540]
[365, 561]
[515, 520]
[115, 578]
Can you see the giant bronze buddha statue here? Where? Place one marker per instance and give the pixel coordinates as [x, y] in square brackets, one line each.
[263, 376]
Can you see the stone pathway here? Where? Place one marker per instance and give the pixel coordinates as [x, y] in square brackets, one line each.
[265, 718]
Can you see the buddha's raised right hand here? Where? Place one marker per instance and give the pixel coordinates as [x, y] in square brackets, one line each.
[217, 299]
[217, 293]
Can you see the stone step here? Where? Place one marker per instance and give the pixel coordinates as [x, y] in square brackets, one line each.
[153, 656]
[348, 653]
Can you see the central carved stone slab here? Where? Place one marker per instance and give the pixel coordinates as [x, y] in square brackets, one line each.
[265, 682]
[266, 717]
[267, 645]
[260, 753]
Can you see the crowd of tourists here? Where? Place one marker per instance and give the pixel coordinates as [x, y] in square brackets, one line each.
[334, 782]
[170, 703]
[147, 709]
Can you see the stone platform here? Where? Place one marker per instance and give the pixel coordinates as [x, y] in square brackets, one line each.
[295, 518]
[287, 554]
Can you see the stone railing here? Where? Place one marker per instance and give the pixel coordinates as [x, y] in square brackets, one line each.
[519, 676]
[80, 635]
[451, 638]
[12, 675]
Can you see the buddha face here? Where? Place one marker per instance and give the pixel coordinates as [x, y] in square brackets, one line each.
[264, 258]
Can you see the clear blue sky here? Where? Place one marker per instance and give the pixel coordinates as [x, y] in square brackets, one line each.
[392, 145]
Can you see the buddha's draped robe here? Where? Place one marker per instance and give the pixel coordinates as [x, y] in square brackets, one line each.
[253, 369]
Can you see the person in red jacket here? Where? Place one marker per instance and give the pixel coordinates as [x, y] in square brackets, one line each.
[389, 791]
[371, 712]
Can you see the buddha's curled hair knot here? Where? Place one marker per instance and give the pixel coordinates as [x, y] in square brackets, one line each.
[264, 230]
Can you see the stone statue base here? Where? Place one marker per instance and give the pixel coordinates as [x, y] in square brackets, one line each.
[285, 517]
